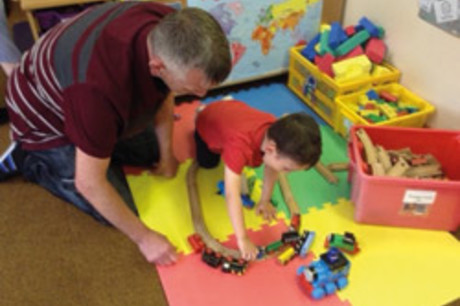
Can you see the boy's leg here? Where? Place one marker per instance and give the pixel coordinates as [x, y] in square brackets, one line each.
[141, 150]
[204, 156]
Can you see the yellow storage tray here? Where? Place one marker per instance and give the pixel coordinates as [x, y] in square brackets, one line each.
[319, 91]
[345, 116]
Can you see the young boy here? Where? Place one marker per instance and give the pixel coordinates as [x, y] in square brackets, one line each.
[245, 136]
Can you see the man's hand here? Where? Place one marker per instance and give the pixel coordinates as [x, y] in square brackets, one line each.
[266, 210]
[157, 249]
[167, 167]
[248, 249]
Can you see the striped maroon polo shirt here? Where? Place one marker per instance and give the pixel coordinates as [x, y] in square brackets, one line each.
[87, 81]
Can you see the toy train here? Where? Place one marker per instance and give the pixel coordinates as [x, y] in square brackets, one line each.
[326, 275]
[214, 259]
[346, 242]
[228, 265]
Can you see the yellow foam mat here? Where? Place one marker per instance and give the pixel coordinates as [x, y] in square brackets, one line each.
[163, 205]
[395, 266]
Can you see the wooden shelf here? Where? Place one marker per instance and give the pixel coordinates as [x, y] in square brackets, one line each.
[42, 4]
[30, 5]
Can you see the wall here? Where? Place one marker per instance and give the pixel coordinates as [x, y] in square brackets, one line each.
[428, 57]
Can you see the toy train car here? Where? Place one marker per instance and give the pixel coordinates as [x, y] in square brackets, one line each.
[228, 264]
[346, 242]
[326, 275]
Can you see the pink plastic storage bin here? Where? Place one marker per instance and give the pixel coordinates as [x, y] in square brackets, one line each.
[407, 202]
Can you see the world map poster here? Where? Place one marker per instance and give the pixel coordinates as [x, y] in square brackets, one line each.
[261, 32]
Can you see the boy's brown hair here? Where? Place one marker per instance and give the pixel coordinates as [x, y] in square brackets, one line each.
[297, 136]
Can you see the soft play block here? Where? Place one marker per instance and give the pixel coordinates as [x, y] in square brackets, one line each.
[376, 50]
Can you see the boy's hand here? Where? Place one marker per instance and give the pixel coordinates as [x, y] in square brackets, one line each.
[248, 249]
[266, 210]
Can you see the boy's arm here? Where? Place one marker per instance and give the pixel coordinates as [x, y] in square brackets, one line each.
[264, 207]
[235, 210]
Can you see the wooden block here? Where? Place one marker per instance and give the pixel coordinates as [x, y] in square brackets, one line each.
[338, 166]
[383, 158]
[424, 171]
[369, 149]
[377, 169]
[399, 169]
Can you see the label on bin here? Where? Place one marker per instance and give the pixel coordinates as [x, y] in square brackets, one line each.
[416, 202]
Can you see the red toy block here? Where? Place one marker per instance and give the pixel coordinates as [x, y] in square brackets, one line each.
[369, 106]
[196, 242]
[317, 59]
[324, 64]
[355, 52]
[376, 50]
[388, 96]
[295, 221]
[350, 30]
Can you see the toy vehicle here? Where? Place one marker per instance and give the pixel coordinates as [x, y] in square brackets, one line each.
[346, 242]
[211, 258]
[303, 245]
[290, 237]
[245, 198]
[196, 243]
[234, 266]
[326, 275]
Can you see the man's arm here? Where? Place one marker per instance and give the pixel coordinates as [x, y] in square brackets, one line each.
[235, 210]
[91, 181]
[264, 207]
[164, 122]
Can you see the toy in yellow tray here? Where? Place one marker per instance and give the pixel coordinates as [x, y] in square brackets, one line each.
[352, 69]
[389, 111]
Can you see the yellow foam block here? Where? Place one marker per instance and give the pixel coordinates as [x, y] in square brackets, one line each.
[395, 266]
[352, 69]
[325, 27]
[367, 112]
[388, 110]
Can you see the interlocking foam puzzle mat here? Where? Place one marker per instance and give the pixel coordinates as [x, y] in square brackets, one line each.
[395, 266]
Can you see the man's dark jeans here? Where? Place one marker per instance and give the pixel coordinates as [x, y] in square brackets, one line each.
[54, 169]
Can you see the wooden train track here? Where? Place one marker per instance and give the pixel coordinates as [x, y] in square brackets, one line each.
[197, 215]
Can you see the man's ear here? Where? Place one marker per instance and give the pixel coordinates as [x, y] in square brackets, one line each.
[156, 65]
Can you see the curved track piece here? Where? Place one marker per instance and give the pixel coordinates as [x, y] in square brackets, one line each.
[287, 195]
[197, 216]
[326, 173]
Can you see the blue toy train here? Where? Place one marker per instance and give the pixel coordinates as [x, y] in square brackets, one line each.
[326, 275]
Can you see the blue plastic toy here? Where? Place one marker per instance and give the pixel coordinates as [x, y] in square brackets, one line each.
[245, 199]
[326, 275]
